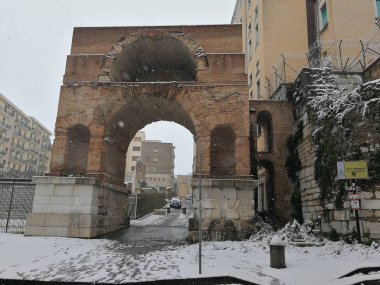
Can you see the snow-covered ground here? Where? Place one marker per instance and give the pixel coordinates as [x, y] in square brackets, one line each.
[106, 260]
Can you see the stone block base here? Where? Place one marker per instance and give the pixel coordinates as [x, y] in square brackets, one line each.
[76, 207]
[229, 199]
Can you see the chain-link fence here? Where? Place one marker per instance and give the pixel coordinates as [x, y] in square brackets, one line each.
[16, 202]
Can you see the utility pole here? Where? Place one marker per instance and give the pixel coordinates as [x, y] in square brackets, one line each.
[200, 214]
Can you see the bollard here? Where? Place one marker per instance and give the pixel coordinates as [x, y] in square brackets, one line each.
[277, 256]
[183, 210]
[168, 210]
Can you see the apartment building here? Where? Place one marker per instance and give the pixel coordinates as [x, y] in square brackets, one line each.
[280, 37]
[25, 144]
[134, 168]
[158, 158]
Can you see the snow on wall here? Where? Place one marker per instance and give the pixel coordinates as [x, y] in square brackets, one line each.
[341, 220]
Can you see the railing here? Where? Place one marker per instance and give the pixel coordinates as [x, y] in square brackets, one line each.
[16, 202]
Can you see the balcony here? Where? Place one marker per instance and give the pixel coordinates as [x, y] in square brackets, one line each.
[20, 147]
[34, 151]
[18, 159]
[3, 125]
[23, 124]
[32, 161]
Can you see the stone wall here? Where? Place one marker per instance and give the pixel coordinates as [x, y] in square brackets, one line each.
[224, 198]
[76, 207]
[343, 221]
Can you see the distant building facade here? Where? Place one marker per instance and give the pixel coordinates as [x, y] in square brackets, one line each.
[183, 185]
[158, 158]
[25, 144]
[133, 171]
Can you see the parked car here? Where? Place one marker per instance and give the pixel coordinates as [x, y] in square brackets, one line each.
[175, 202]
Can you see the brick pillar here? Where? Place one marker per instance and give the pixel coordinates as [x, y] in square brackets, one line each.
[242, 156]
[95, 151]
[203, 147]
[58, 154]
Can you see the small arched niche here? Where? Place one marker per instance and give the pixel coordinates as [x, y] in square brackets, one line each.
[264, 132]
[78, 138]
[222, 151]
[155, 58]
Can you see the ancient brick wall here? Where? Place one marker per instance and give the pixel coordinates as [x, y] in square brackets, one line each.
[282, 127]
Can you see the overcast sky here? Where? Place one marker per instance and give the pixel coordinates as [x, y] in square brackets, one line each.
[35, 38]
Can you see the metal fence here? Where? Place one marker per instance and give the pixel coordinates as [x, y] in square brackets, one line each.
[16, 202]
[347, 56]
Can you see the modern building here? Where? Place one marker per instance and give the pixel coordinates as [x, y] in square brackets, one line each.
[133, 156]
[280, 37]
[158, 158]
[25, 144]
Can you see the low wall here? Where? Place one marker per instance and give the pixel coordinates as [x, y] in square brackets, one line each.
[224, 199]
[147, 203]
[76, 207]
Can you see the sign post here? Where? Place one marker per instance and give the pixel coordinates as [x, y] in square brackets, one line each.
[200, 215]
[355, 206]
[353, 170]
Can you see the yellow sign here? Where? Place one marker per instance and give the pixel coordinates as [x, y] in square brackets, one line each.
[356, 169]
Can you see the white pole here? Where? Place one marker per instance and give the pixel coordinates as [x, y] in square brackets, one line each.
[200, 214]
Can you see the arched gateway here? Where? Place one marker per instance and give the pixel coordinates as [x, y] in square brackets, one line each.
[120, 79]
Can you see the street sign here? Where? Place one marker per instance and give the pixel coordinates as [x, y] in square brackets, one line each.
[340, 166]
[355, 205]
[352, 169]
[354, 197]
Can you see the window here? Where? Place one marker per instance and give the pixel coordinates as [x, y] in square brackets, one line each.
[251, 95]
[137, 139]
[155, 150]
[135, 158]
[249, 49]
[257, 35]
[323, 17]
[136, 148]
[132, 168]
[249, 29]
[258, 88]
[159, 179]
[378, 8]
[250, 79]
[256, 13]
[257, 68]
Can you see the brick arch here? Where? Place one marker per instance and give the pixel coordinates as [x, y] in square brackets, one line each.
[265, 131]
[178, 44]
[131, 117]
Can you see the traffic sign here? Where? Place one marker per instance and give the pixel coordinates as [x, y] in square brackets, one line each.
[352, 169]
[354, 197]
[355, 205]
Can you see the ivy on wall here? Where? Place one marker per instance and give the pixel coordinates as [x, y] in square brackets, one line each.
[293, 166]
[346, 123]
[341, 116]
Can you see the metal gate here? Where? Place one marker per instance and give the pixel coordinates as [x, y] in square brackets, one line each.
[16, 202]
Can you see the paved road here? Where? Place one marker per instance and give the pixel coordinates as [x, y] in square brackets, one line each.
[155, 232]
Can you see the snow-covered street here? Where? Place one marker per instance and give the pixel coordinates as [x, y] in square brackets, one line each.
[118, 261]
